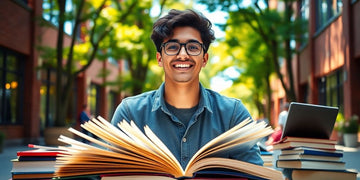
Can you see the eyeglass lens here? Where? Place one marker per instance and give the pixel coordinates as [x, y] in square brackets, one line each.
[192, 48]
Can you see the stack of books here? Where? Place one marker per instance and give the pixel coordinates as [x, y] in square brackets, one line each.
[267, 157]
[38, 163]
[311, 158]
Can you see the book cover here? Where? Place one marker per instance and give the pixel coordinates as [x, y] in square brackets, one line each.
[307, 139]
[307, 157]
[37, 158]
[39, 152]
[126, 149]
[312, 151]
[300, 174]
[307, 164]
[293, 144]
[33, 166]
[32, 175]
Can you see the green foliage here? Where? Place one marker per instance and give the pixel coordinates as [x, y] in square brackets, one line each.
[263, 35]
[339, 123]
[349, 125]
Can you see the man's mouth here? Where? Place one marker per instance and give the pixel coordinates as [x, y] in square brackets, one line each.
[182, 65]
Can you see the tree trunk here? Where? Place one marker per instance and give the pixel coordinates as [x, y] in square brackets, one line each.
[59, 114]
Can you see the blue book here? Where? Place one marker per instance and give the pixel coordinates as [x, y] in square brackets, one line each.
[37, 158]
[309, 164]
[312, 151]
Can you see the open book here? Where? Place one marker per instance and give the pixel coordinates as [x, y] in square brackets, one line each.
[128, 150]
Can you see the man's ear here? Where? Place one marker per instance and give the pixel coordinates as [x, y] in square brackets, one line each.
[159, 59]
[205, 59]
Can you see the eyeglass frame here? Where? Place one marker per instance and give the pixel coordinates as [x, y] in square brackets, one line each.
[182, 44]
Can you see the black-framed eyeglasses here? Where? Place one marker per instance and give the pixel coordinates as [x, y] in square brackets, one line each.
[192, 48]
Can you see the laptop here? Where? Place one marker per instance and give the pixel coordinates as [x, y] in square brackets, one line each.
[309, 120]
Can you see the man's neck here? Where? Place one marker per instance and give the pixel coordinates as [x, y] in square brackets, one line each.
[182, 95]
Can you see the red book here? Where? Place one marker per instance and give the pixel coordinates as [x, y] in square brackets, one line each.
[38, 152]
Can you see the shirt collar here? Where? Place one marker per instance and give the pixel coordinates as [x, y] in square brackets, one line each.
[159, 100]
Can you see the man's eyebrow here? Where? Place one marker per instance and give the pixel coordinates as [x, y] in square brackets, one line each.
[176, 40]
[193, 40]
[172, 40]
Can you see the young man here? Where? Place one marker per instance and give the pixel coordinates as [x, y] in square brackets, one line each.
[182, 113]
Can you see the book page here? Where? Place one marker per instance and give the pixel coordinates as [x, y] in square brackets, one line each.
[236, 165]
[137, 134]
[122, 140]
[163, 147]
[129, 151]
[240, 136]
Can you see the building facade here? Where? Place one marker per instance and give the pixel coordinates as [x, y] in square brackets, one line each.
[27, 92]
[327, 63]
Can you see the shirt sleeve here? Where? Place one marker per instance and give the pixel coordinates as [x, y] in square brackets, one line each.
[252, 155]
[121, 113]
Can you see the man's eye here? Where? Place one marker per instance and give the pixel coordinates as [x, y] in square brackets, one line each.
[193, 47]
[172, 47]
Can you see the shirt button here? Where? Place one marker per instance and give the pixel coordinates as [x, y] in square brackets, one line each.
[184, 139]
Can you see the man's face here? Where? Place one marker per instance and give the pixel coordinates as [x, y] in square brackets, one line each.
[182, 67]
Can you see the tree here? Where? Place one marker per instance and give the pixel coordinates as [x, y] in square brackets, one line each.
[276, 29]
[93, 18]
[253, 61]
[107, 29]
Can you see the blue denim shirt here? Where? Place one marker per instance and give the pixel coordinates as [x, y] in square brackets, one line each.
[215, 115]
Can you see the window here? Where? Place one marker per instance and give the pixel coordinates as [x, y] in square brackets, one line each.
[326, 10]
[304, 15]
[111, 100]
[331, 89]
[47, 98]
[93, 96]
[11, 87]
[51, 13]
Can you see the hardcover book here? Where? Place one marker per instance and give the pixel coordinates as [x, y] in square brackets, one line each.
[307, 164]
[312, 151]
[308, 157]
[36, 163]
[33, 166]
[39, 152]
[300, 174]
[127, 149]
[293, 144]
[303, 139]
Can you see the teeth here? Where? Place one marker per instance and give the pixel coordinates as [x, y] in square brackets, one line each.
[182, 65]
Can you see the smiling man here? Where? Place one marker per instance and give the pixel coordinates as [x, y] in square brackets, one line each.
[182, 113]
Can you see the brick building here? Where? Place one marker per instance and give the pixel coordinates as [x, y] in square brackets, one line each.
[327, 65]
[26, 93]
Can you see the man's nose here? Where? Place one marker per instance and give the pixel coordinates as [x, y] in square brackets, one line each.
[182, 52]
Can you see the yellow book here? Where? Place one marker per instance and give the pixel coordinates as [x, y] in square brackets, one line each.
[126, 149]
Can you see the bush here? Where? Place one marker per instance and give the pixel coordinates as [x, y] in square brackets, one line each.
[351, 125]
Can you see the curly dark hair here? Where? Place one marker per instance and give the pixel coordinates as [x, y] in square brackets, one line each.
[163, 27]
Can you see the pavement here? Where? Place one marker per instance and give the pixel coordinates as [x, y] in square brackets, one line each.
[351, 157]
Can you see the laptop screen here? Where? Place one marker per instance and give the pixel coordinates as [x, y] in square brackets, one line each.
[309, 120]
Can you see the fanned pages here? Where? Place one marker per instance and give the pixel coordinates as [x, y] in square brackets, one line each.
[127, 149]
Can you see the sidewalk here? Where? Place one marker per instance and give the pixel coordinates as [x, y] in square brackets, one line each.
[7, 155]
[351, 157]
